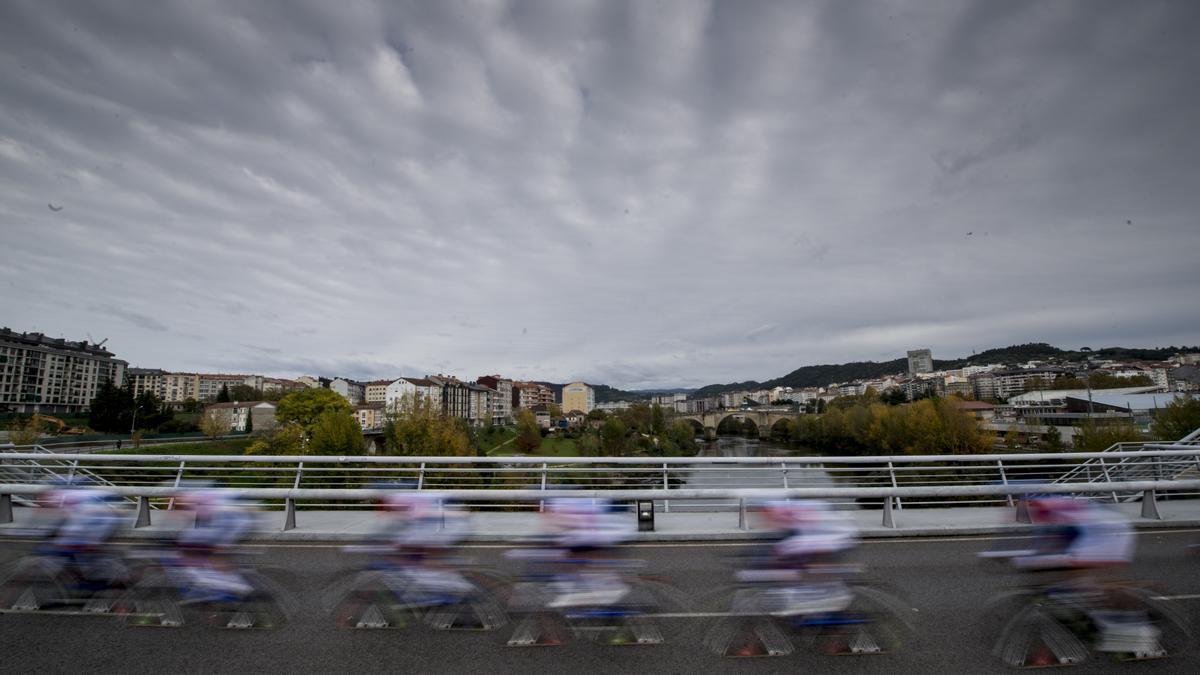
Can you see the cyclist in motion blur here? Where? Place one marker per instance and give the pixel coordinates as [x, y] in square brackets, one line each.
[1082, 546]
[811, 540]
[206, 552]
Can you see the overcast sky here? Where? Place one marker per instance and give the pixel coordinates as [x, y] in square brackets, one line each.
[640, 194]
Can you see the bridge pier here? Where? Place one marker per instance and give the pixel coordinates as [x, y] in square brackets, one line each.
[710, 433]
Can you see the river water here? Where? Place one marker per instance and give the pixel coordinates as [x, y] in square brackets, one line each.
[731, 475]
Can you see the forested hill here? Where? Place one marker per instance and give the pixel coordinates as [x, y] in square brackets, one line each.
[822, 375]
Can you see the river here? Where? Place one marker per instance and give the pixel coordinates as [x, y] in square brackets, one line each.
[722, 475]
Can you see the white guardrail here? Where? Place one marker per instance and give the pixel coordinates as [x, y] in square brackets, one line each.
[712, 483]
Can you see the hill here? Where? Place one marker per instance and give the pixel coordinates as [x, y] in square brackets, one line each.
[822, 375]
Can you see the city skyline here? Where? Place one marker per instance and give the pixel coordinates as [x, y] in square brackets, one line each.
[638, 195]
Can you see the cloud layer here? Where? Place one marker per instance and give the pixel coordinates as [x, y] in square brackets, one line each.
[642, 194]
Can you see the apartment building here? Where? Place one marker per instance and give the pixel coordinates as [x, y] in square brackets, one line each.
[369, 415]
[375, 391]
[456, 397]
[410, 388]
[235, 414]
[920, 361]
[208, 385]
[578, 396]
[53, 375]
[350, 390]
[526, 395]
[481, 404]
[502, 402]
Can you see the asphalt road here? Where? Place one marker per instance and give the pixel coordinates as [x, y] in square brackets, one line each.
[942, 580]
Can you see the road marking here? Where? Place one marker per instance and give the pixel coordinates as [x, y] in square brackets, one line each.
[1191, 596]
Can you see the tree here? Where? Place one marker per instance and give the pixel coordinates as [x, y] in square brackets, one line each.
[1093, 437]
[244, 392]
[249, 422]
[304, 407]
[336, 433]
[596, 415]
[1177, 419]
[213, 425]
[223, 395]
[656, 419]
[417, 427]
[1052, 441]
[529, 435]
[110, 411]
[555, 410]
[25, 432]
[612, 437]
[285, 439]
[191, 405]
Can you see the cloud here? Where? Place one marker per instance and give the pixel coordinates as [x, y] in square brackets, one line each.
[641, 194]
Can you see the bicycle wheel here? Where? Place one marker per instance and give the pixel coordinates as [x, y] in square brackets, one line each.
[875, 622]
[1175, 632]
[1032, 637]
[368, 602]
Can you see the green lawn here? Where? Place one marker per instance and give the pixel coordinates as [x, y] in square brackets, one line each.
[557, 446]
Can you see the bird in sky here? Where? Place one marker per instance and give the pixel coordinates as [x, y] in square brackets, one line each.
[54, 208]
[970, 233]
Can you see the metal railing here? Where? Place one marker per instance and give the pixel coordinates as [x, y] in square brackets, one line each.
[1107, 468]
[885, 497]
[673, 476]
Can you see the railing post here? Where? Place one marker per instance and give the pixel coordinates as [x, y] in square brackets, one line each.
[783, 468]
[178, 479]
[6, 514]
[742, 525]
[299, 472]
[143, 512]
[1150, 505]
[421, 477]
[889, 519]
[1004, 479]
[1023, 509]
[892, 473]
[666, 486]
[289, 514]
[71, 473]
[1107, 478]
[542, 502]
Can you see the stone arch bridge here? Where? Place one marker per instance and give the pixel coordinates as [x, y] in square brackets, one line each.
[764, 420]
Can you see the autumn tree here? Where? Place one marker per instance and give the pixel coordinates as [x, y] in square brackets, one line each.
[417, 427]
[529, 435]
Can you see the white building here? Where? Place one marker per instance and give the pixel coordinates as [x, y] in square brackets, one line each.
[349, 389]
[412, 388]
[235, 414]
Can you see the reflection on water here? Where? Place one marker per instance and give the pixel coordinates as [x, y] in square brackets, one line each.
[742, 446]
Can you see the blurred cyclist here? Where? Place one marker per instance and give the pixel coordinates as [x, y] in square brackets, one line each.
[84, 524]
[589, 531]
[418, 534]
[811, 537]
[1084, 542]
[222, 522]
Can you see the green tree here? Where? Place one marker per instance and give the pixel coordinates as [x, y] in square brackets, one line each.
[304, 407]
[285, 439]
[588, 444]
[529, 435]
[1093, 437]
[597, 415]
[1177, 419]
[223, 395]
[191, 405]
[657, 423]
[110, 411]
[1052, 441]
[612, 437]
[244, 392]
[249, 422]
[336, 432]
